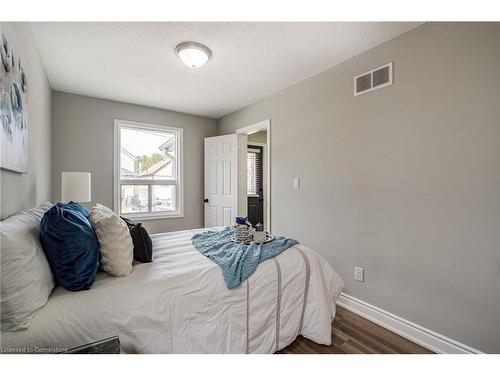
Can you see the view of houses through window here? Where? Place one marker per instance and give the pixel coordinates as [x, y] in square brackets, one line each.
[149, 178]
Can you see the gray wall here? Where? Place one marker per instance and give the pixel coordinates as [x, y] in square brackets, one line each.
[82, 140]
[403, 181]
[19, 191]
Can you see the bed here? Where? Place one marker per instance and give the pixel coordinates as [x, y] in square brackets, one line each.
[180, 304]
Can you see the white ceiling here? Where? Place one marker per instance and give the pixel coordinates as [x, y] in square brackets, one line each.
[136, 62]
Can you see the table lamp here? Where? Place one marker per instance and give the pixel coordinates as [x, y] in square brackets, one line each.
[75, 186]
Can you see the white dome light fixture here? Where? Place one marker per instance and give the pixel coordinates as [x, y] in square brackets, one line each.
[193, 54]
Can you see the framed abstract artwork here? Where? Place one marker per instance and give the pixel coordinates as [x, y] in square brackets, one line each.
[13, 110]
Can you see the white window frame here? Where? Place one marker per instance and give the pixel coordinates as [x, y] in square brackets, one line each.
[117, 181]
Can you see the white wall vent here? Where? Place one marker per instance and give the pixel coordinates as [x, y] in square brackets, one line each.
[373, 80]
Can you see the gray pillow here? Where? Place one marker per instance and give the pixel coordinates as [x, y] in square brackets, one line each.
[117, 249]
[26, 278]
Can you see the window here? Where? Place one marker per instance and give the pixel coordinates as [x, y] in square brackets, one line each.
[148, 170]
[254, 171]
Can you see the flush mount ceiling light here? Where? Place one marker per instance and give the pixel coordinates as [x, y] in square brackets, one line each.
[193, 54]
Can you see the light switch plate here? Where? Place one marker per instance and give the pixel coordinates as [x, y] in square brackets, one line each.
[296, 183]
[359, 274]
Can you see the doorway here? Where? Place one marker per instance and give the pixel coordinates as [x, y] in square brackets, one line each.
[254, 173]
[255, 182]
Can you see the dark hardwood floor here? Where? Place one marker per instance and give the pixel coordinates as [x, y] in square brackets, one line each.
[352, 334]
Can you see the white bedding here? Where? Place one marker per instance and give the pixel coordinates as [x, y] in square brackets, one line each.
[180, 304]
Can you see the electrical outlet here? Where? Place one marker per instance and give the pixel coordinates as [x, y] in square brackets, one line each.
[359, 274]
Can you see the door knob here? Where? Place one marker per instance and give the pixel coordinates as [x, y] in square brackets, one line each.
[205, 200]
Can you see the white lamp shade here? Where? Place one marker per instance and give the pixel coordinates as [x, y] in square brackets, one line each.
[75, 186]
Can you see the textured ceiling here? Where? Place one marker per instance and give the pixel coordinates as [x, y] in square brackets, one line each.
[136, 62]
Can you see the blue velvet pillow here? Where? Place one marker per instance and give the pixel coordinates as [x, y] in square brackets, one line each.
[75, 207]
[70, 245]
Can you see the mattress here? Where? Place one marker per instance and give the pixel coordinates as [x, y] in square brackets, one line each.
[180, 304]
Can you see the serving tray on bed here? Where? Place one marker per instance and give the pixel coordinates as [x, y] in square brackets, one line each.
[269, 238]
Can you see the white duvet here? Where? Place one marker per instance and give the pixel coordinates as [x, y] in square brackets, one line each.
[180, 304]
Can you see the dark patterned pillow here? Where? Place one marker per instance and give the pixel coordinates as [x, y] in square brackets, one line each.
[70, 245]
[143, 246]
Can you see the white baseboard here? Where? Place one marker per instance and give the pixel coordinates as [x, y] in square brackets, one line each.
[413, 332]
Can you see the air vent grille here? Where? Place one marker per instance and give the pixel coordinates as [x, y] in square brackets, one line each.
[373, 80]
[364, 82]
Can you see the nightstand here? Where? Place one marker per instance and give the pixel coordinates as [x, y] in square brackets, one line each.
[110, 345]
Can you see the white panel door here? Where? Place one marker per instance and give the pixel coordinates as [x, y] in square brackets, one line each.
[221, 180]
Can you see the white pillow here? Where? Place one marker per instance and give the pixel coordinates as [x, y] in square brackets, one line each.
[117, 249]
[26, 277]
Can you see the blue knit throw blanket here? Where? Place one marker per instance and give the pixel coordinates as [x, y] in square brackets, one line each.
[238, 261]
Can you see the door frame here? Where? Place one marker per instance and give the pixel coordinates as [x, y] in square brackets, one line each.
[264, 125]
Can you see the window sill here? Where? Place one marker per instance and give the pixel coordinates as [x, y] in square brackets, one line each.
[146, 217]
[253, 195]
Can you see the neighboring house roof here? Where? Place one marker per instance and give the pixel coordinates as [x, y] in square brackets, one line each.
[167, 144]
[130, 155]
[126, 172]
[155, 168]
